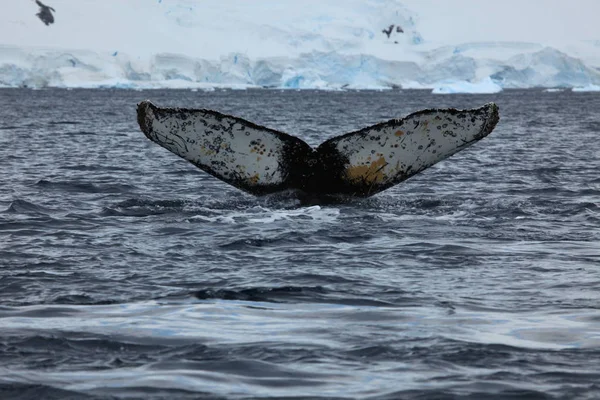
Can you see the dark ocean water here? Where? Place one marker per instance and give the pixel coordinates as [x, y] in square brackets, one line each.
[125, 272]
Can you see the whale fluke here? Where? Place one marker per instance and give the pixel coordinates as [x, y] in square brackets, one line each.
[260, 160]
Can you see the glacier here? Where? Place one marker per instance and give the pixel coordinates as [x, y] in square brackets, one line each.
[485, 86]
[313, 44]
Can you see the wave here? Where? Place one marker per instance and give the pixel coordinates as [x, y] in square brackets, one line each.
[288, 294]
[84, 187]
[19, 206]
[26, 391]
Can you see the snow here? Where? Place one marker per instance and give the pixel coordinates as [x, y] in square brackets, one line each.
[450, 46]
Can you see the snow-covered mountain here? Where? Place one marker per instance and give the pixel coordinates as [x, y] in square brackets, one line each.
[448, 46]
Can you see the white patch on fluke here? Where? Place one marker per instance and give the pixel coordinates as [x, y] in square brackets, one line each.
[229, 148]
[389, 153]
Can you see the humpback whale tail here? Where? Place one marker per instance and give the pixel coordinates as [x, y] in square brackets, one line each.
[260, 160]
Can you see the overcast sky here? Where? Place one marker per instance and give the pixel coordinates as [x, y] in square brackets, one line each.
[513, 20]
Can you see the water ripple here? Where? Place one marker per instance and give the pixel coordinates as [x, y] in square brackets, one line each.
[126, 272]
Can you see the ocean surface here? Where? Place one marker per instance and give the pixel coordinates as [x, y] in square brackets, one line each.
[125, 272]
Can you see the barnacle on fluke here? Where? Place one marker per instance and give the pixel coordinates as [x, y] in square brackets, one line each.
[260, 160]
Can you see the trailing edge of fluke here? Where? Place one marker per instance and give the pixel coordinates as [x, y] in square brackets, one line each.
[260, 160]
